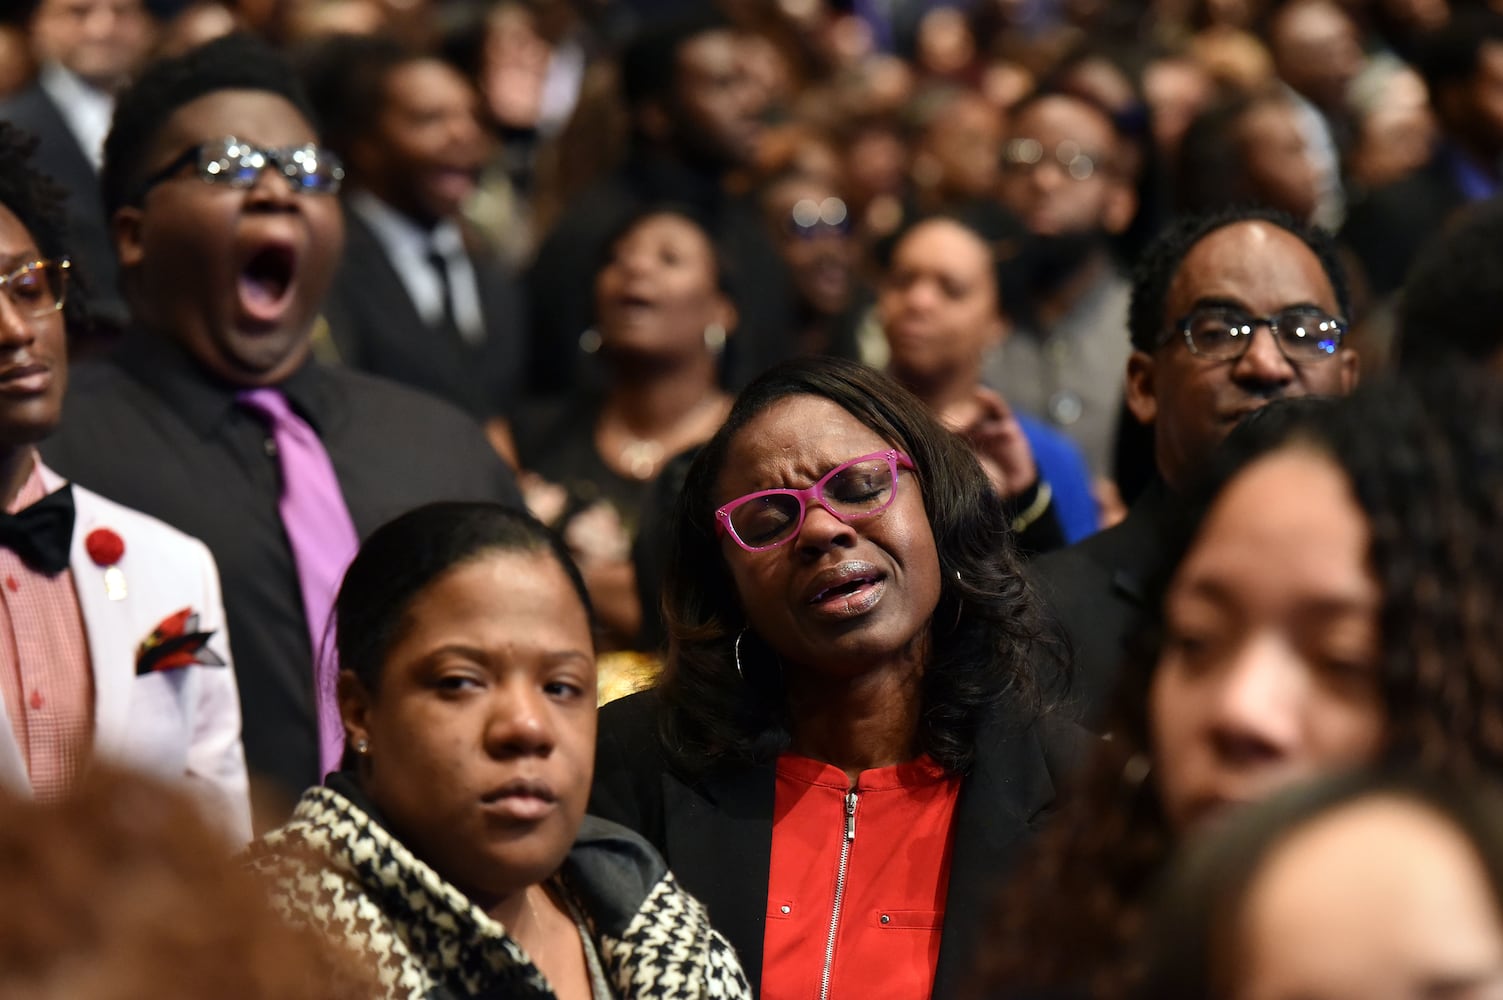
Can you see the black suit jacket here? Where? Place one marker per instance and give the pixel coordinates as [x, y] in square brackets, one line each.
[149, 428]
[376, 328]
[1098, 590]
[59, 156]
[716, 832]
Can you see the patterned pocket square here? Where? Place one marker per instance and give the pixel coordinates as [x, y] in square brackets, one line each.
[176, 643]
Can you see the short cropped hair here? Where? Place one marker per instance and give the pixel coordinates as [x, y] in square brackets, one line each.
[1048, 90]
[649, 66]
[1162, 259]
[345, 77]
[234, 62]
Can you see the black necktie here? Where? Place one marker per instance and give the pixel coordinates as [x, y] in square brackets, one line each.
[449, 322]
[41, 534]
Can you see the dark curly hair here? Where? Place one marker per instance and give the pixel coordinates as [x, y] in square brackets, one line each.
[233, 62]
[1424, 459]
[997, 652]
[37, 201]
[1146, 322]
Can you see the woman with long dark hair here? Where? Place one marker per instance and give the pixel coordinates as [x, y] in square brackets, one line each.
[851, 736]
[1334, 603]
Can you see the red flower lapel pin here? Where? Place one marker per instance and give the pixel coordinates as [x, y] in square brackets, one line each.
[106, 549]
[176, 642]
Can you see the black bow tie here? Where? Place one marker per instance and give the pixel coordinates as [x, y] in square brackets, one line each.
[41, 534]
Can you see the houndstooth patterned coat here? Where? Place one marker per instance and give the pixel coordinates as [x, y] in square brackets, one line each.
[335, 868]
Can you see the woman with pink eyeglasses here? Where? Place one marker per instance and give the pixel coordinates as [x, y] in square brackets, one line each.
[851, 738]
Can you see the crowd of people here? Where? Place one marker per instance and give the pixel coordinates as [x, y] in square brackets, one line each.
[770, 498]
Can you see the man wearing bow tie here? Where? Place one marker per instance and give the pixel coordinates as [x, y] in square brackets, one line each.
[112, 638]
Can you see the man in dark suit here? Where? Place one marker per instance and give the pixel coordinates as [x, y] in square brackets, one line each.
[1462, 64]
[87, 49]
[1229, 313]
[212, 415]
[411, 300]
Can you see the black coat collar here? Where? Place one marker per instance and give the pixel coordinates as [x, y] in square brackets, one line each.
[718, 837]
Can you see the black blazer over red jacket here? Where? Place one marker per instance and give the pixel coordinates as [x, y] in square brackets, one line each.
[715, 832]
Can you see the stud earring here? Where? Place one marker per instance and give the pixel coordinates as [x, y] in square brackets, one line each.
[362, 746]
[715, 338]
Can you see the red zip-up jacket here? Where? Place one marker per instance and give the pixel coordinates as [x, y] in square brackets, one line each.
[856, 893]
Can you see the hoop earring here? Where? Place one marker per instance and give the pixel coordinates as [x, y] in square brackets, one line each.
[959, 603]
[739, 672]
[1136, 770]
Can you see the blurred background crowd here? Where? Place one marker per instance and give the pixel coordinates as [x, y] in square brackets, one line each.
[799, 137]
[587, 227]
[518, 138]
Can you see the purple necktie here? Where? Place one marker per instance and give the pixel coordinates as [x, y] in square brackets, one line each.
[323, 541]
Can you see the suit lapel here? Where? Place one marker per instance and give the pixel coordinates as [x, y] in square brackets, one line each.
[60, 151]
[1006, 790]
[718, 835]
[383, 286]
[109, 627]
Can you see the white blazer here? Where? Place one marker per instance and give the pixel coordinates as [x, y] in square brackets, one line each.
[175, 724]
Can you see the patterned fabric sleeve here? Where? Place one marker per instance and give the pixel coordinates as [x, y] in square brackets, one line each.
[669, 951]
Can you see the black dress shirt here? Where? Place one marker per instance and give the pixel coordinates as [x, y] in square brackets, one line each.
[149, 429]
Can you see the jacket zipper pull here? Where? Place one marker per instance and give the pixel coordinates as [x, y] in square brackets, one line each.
[850, 815]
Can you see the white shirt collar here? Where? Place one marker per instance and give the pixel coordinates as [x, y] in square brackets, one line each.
[85, 109]
[408, 245]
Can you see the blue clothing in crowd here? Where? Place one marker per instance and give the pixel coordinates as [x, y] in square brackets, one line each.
[1063, 467]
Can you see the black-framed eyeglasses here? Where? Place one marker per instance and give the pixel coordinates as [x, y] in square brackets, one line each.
[39, 287]
[861, 487]
[237, 164]
[809, 218]
[1222, 333]
[1026, 155]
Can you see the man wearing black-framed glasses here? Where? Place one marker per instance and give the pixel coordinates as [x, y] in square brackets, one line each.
[1230, 312]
